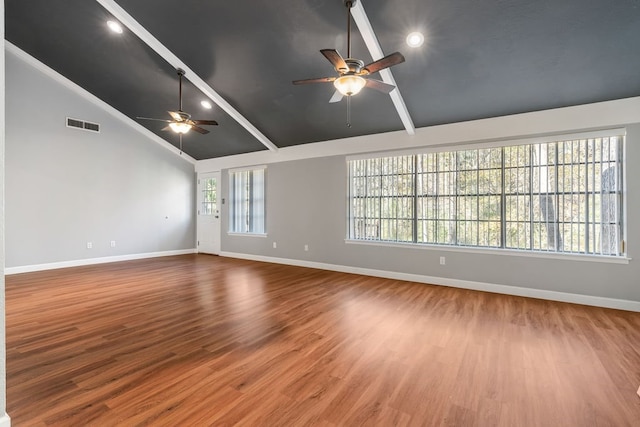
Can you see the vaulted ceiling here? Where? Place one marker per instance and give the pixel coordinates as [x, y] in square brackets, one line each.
[480, 59]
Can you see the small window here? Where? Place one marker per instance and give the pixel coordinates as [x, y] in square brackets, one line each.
[247, 201]
[209, 196]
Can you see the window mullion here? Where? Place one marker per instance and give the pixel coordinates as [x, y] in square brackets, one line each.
[587, 232]
[620, 246]
[503, 202]
[477, 196]
[437, 198]
[415, 198]
[558, 243]
[531, 166]
[456, 205]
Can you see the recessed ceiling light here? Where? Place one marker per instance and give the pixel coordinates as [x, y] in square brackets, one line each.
[415, 39]
[115, 27]
[206, 104]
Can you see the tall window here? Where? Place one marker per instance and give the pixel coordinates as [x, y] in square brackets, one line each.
[563, 196]
[247, 201]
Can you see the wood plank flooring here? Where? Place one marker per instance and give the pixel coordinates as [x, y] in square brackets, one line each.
[199, 340]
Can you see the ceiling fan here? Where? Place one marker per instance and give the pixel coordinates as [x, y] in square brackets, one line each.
[352, 72]
[182, 122]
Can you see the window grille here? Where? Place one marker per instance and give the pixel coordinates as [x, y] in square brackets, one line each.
[209, 196]
[563, 197]
[247, 201]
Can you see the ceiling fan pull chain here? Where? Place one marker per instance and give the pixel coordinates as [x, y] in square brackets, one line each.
[348, 111]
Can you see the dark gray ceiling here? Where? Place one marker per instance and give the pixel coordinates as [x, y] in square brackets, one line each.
[481, 59]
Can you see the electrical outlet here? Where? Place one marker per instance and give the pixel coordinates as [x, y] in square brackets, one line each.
[89, 245]
[306, 248]
[113, 243]
[443, 260]
[274, 245]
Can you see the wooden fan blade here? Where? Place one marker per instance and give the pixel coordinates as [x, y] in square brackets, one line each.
[337, 97]
[179, 116]
[175, 116]
[380, 86]
[336, 60]
[155, 120]
[386, 62]
[199, 129]
[204, 122]
[317, 80]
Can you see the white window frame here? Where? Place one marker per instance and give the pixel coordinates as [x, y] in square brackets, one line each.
[502, 248]
[247, 201]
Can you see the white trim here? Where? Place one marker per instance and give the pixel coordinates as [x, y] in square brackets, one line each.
[580, 118]
[236, 234]
[136, 28]
[59, 78]
[93, 261]
[541, 139]
[247, 168]
[371, 41]
[391, 153]
[625, 196]
[454, 283]
[5, 420]
[494, 251]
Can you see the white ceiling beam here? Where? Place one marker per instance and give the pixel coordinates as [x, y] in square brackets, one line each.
[134, 26]
[370, 39]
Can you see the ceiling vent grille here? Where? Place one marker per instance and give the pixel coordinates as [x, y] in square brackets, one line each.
[81, 124]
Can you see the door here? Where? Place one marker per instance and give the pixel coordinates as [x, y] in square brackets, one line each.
[209, 213]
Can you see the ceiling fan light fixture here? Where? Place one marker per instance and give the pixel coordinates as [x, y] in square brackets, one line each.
[179, 127]
[349, 84]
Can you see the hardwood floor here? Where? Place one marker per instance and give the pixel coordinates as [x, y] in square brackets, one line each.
[201, 340]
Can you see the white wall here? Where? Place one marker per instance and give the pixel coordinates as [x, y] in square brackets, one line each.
[307, 199]
[66, 187]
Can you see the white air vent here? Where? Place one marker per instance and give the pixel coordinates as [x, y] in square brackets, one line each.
[81, 124]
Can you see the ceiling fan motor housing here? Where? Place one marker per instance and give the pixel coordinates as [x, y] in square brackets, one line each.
[184, 116]
[352, 71]
[355, 66]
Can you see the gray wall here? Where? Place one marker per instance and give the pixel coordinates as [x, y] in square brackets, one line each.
[306, 204]
[3, 376]
[66, 187]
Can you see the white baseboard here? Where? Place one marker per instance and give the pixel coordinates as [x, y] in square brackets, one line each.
[5, 421]
[454, 283]
[92, 261]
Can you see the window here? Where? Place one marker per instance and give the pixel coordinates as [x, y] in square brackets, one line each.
[247, 201]
[561, 196]
[208, 196]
